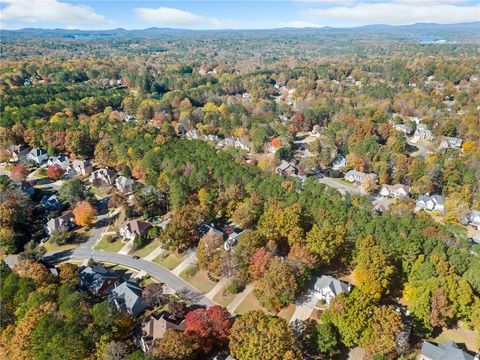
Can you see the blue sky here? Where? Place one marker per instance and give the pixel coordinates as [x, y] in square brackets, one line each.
[224, 14]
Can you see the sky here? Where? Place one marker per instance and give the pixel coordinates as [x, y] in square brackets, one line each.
[226, 14]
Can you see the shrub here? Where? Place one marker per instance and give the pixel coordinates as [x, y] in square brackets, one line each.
[236, 286]
[110, 239]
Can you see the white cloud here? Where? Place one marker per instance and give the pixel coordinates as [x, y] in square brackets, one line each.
[398, 12]
[33, 11]
[164, 16]
[300, 24]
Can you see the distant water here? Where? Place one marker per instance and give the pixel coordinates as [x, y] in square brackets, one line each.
[430, 39]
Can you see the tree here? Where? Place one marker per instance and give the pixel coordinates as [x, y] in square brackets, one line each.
[327, 339]
[440, 311]
[302, 262]
[177, 308]
[257, 336]
[369, 184]
[33, 270]
[208, 327]
[278, 285]
[326, 240]
[54, 172]
[210, 252]
[381, 336]
[182, 231]
[19, 172]
[373, 272]
[259, 262]
[73, 191]
[84, 213]
[152, 295]
[175, 345]
[32, 252]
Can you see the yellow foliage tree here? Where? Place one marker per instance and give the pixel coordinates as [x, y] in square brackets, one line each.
[84, 213]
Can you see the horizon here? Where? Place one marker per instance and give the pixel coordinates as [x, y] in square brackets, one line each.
[223, 15]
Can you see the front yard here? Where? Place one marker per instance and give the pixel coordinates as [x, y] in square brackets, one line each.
[200, 280]
[51, 246]
[147, 249]
[223, 297]
[249, 304]
[171, 261]
[105, 245]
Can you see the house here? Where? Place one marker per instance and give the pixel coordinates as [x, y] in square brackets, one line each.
[38, 156]
[61, 161]
[327, 287]
[431, 203]
[97, 280]
[128, 296]
[124, 184]
[155, 326]
[235, 142]
[357, 176]
[62, 223]
[232, 239]
[133, 228]
[407, 130]
[450, 143]
[50, 202]
[27, 188]
[102, 177]
[79, 168]
[423, 133]
[192, 135]
[445, 351]
[395, 191]
[339, 162]
[473, 218]
[317, 130]
[130, 118]
[18, 153]
[287, 169]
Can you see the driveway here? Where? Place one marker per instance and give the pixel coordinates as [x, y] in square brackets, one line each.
[305, 306]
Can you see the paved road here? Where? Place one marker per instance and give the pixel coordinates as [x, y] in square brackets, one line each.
[175, 282]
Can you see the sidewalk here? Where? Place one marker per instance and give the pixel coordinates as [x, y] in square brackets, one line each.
[154, 254]
[190, 260]
[220, 285]
[240, 297]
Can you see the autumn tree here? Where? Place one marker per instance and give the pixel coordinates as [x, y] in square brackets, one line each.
[326, 240]
[440, 311]
[182, 231]
[54, 172]
[278, 286]
[19, 172]
[209, 328]
[260, 262]
[33, 270]
[257, 336]
[84, 213]
[373, 272]
[209, 252]
[175, 345]
[152, 295]
[68, 273]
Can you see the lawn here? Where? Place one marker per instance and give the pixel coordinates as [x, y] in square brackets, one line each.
[146, 249]
[98, 192]
[170, 262]
[250, 303]
[110, 247]
[460, 335]
[223, 297]
[287, 312]
[50, 246]
[199, 281]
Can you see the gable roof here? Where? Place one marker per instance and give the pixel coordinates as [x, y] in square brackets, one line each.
[94, 277]
[335, 285]
[128, 295]
[136, 226]
[445, 351]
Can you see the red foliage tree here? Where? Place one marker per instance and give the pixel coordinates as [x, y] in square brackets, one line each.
[19, 172]
[259, 262]
[54, 172]
[208, 327]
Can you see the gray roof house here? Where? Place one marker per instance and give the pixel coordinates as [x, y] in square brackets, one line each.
[61, 161]
[395, 191]
[445, 351]
[473, 218]
[357, 176]
[287, 169]
[124, 184]
[450, 143]
[128, 296]
[65, 222]
[431, 203]
[97, 279]
[339, 162]
[423, 133]
[38, 156]
[403, 128]
[102, 177]
[50, 202]
[79, 168]
[327, 287]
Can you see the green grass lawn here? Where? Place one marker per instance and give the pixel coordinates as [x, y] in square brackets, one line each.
[146, 249]
[170, 262]
[223, 297]
[199, 281]
[110, 247]
[50, 246]
[250, 303]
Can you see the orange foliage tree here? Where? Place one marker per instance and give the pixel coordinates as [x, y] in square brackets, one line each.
[84, 213]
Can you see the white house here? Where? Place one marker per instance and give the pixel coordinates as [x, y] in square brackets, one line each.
[327, 287]
[450, 143]
[423, 133]
[431, 203]
[38, 156]
[79, 168]
[102, 177]
[61, 161]
[124, 184]
[132, 228]
[473, 218]
[395, 191]
[357, 176]
[403, 128]
[339, 162]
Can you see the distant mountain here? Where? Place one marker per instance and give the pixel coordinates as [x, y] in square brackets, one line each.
[420, 29]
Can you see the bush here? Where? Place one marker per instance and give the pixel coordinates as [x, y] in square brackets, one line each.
[236, 286]
[110, 239]
[191, 271]
[139, 242]
[164, 255]
[61, 238]
[322, 302]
